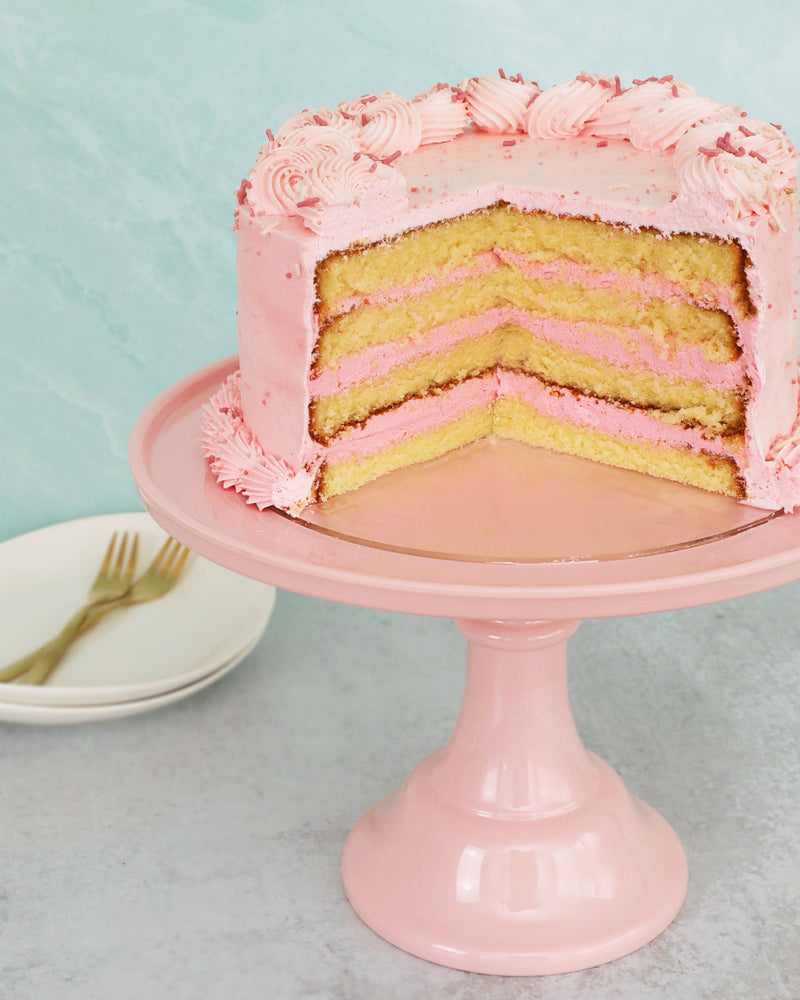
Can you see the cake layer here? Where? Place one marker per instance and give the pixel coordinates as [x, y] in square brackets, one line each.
[668, 325]
[559, 269]
[514, 418]
[695, 263]
[350, 473]
[625, 346]
[682, 401]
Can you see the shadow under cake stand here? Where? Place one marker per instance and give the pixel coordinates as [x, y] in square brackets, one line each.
[514, 850]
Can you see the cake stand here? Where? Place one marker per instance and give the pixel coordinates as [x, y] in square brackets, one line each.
[514, 850]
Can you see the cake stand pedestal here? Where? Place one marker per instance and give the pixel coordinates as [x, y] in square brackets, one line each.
[513, 850]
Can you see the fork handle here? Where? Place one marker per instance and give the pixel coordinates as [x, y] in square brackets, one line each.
[42, 661]
[40, 664]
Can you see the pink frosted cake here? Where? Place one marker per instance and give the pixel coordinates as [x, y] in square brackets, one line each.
[606, 271]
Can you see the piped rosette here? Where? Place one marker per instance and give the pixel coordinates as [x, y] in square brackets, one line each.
[564, 110]
[749, 163]
[613, 119]
[499, 104]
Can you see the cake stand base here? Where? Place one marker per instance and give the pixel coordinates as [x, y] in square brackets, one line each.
[515, 851]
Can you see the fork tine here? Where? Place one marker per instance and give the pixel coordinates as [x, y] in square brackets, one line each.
[180, 562]
[120, 555]
[170, 558]
[159, 556]
[131, 567]
[108, 556]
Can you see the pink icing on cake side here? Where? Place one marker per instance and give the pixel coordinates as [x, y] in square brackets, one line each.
[412, 163]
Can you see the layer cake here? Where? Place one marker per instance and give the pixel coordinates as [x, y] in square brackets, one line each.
[609, 272]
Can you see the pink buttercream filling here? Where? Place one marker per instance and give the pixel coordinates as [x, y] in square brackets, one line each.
[623, 346]
[429, 412]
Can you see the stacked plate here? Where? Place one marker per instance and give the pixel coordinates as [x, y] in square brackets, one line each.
[136, 659]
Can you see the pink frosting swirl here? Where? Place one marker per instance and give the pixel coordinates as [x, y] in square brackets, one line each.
[238, 461]
[388, 123]
[746, 161]
[759, 141]
[325, 137]
[613, 119]
[276, 176]
[564, 110]
[499, 104]
[324, 116]
[657, 127]
[443, 112]
[334, 185]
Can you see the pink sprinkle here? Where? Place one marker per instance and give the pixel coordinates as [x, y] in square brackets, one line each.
[758, 156]
[675, 90]
[320, 120]
[244, 187]
[414, 190]
[373, 166]
[307, 202]
[369, 98]
[356, 156]
[347, 115]
[501, 74]
[778, 127]
[602, 142]
[509, 142]
[617, 86]
[707, 151]
[288, 274]
[270, 136]
[364, 118]
[745, 131]
[667, 79]
[605, 83]
[390, 159]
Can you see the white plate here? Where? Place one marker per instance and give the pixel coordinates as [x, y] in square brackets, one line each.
[136, 653]
[22, 694]
[59, 715]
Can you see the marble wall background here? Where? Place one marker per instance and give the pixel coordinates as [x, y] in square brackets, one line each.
[128, 125]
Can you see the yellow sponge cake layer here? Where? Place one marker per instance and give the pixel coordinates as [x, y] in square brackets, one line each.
[513, 418]
[691, 262]
[665, 325]
[346, 475]
[682, 401]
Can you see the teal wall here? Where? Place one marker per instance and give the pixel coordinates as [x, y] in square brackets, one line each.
[127, 126]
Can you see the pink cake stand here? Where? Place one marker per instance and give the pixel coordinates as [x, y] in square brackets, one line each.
[514, 850]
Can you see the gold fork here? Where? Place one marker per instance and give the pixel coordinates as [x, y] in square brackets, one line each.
[113, 580]
[157, 580]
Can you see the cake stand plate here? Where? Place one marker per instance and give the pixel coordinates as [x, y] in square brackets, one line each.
[513, 850]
